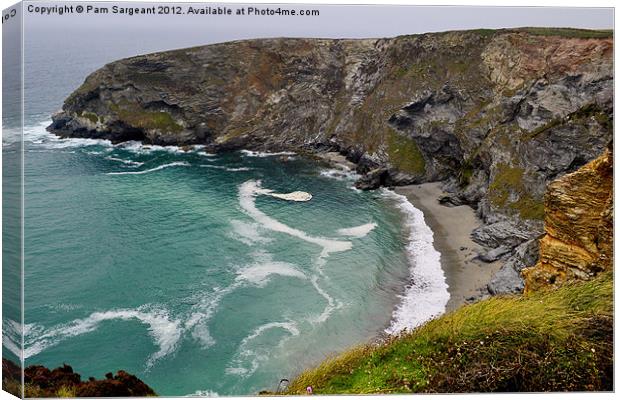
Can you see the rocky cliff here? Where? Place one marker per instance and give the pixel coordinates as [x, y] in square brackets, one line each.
[497, 115]
[578, 241]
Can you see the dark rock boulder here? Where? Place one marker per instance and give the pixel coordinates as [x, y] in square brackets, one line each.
[508, 279]
[494, 254]
[373, 179]
[507, 233]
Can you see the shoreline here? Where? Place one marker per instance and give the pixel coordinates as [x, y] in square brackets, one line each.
[451, 226]
[465, 274]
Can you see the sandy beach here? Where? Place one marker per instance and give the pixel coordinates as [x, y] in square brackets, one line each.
[451, 227]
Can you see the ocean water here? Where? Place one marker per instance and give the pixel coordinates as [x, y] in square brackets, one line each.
[180, 267]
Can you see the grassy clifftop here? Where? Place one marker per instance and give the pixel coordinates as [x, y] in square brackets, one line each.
[547, 341]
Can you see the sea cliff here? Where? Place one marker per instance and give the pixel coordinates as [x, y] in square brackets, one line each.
[578, 241]
[494, 114]
[512, 123]
[558, 336]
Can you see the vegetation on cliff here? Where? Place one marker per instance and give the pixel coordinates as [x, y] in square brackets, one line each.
[546, 341]
[64, 382]
[496, 114]
[558, 336]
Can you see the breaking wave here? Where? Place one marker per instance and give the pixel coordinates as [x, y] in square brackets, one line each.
[128, 162]
[427, 295]
[262, 154]
[164, 331]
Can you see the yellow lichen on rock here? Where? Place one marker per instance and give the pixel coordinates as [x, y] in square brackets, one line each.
[578, 241]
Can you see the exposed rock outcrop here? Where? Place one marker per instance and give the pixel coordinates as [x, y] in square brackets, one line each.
[508, 279]
[496, 114]
[578, 241]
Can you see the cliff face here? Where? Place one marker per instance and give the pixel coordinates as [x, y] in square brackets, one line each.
[578, 241]
[496, 114]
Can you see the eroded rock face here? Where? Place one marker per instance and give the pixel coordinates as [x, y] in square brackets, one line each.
[578, 241]
[508, 279]
[496, 114]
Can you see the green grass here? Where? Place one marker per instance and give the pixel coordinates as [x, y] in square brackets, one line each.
[12, 386]
[547, 341]
[507, 180]
[569, 32]
[92, 117]
[135, 116]
[484, 32]
[66, 391]
[404, 153]
[465, 173]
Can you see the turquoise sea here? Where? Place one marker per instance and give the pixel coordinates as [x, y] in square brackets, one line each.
[180, 267]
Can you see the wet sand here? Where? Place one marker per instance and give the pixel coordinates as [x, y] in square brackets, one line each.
[451, 227]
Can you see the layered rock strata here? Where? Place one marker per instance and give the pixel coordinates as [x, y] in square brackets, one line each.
[497, 115]
[578, 241]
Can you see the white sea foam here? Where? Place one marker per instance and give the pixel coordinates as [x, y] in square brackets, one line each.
[358, 231]
[12, 336]
[259, 273]
[262, 154]
[248, 358]
[427, 295]
[331, 303]
[203, 311]
[138, 147]
[165, 331]
[256, 274]
[247, 233]
[37, 134]
[247, 200]
[146, 171]
[230, 169]
[289, 326]
[356, 189]
[203, 393]
[341, 174]
[128, 162]
[201, 333]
